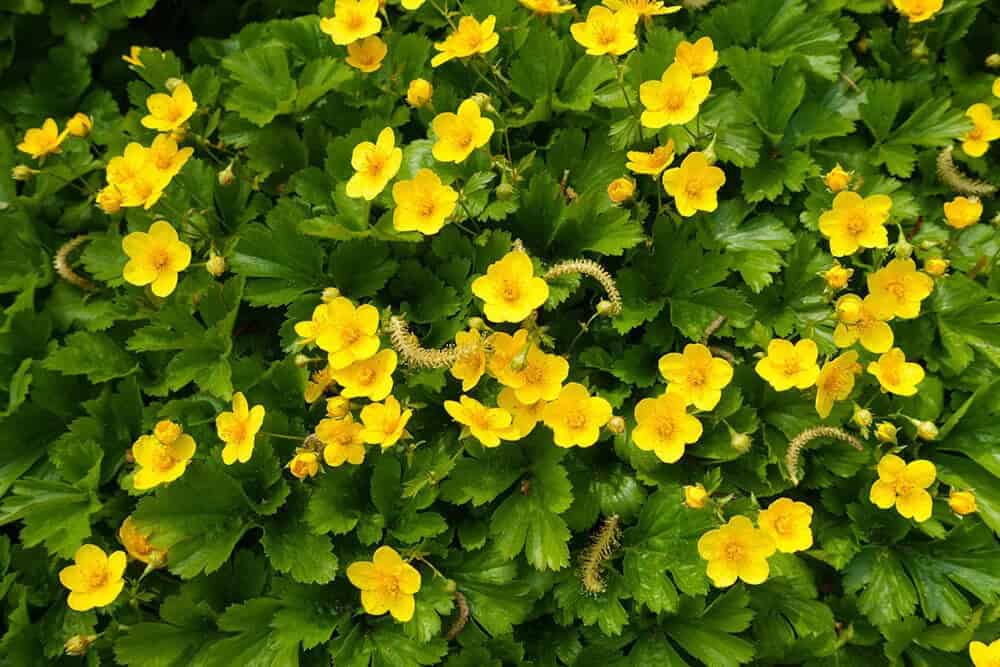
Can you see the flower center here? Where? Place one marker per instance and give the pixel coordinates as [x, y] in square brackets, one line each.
[976, 133]
[903, 488]
[96, 578]
[160, 259]
[354, 21]
[426, 208]
[534, 374]
[693, 188]
[237, 432]
[350, 334]
[783, 525]
[376, 163]
[674, 100]
[791, 366]
[856, 223]
[897, 289]
[510, 290]
[366, 376]
[696, 378]
[733, 552]
[890, 375]
[606, 33]
[665, 428]
[174, 112]
[576, 419]
[390, 585]
[835, 383]
[163, 460]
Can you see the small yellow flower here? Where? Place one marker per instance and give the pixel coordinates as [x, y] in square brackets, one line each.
[487, 425]
[984, 655]
[125, 168]
[155, 258]
[342, 441]
[458, 134]
[41, 141]
[896, 374]
[789, 365]
[606, 32]
[374, 165]
[387, 584]
[510, 289]
[318, 325]
[836, 381]
[541, 378]
[470, 37]
[369, 378]
[526, 416]
[936, 266]
[546, 7]
[699, 57]
[837, 179]
[886, 432]
[736, 550]
[695, 496]
[133, 56]
[346, 333]
[367, 54]
[674, 99]
[471, 363]
[694, 185]
[419, 93]
[238, 429]
[137, 544]
[169, 112]
[904, 485]
[352, 20]
[576, 417]
[621, 189]
[164, 155]
[664, 427]
[856, 222]
[423, 203]
[788, 523]
[977, 140]
[696, 376]
[163, 456]
[962, 212]
[642, 8]
[862, 319]
[146, 189]
[837, 276]
[962, 502]
[651, 164]
[385, 423]
[304, 464]
[317, 385]
[79, 125]
[109, 199]
[898, 288]
[95, 579]
[918, 10]
[337, 406]
[78, 645]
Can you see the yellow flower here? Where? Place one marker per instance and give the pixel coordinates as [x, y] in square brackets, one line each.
[460, 134]
[422, 203]
[125, 168]
[170, 112]
[510, 289]
[837, 276]
[137, 544]
[145, 190]
[369, 378]
[342, 441]
[904, 485]
[541, 378]
[109, 199]
[695, 497]
[471, 362]
[699, 57]
[163, 456]
[504, 348]
[133, 56]
[95, 580]
[526, 416]
[653, 163]
[787, 365]
[694, 185]
[918, 10]
[319, 325]
[487, 425]
[419, 93]
[674, 99]
[886, 432]
[78, 645]
[856, 223]
[41, 141]
[736, 550]
[936, 266]
[346, 333]
[696, 376]
[238, 429]
[352, 20]
[896, 374]
[387, 584]
[606, 32]
[471, 37]
[962, 502]
[366, 54]
[836, 381]
[304, 464]
[79, 125]
[374, 165]
[621, 189]
[641, 8]
[545, 7]
[663, 426]
[861, 319]
[898, 288]
[977, 140]
[164, 155]
[985, 655]
[317, 385]
[411, 5]
[788, 523]
[338, 406]
[576, 417]
[962, 212]
[155, 258]
[385, 423]
[837, 179]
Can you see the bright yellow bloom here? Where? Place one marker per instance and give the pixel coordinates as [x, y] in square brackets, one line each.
[387, 584]
[837, 276]
[962, 212]
[696, 376]
[337, 406]
[918, 10]
[374, 165]
[526, 416]
[238, 429]
[471, 362]
[541, 378]
[788, 523]
[41, 141]
[161, 457]
[385, 423]
[896, 374]
[642, 8]
[837, 179]
[146, 189]
[369, 378]
[904, 485]
[367, 54]
[109, 199]
[736, 550]
[836, 381]
[458, 134]
[576, 417]
[155, 258]
[699, 57]
[787, 365]
[348, 334]
[983, 655]
[419, 93]
[164, 155]
[695, 496]
[674, 99]
[510, 289]
[936, 266]
[664, 427]
[342, 441]
[651, 164]
[977, 140]
[137, 544]
[621, 189]
[125, 168]
[862, 319]
[317, 385]
[319, 325]
[546, 7]
[133, 56]
[856, 223]
[504, 349]
[95, 580]
[606, 32]
[886, 432]
[423, 203]
[487, 425]
[898, 288]
[962, 502]
[352, 20]
[169, 112]
[79, 125]
[471, 37]
[304, 464]
[694, 185]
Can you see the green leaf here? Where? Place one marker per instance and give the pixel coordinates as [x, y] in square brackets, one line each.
[334, 505]
[305, 557]
[497, 591]
[253, 642]
[603, 609]
[186, 628]
[771, 95]
[54, 513]
[266, 88]
[93, 354]
[886, 593]
[709, 635]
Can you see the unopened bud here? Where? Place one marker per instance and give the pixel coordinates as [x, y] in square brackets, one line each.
[741, 442]
[172, 83]
[505, 191]
[79, 125]
[936, 266]
[216, 265]
[304, 464]
[477, 323]
[926, 430]
[695, 496]
[302, 360]
[520, 360]
[226, 176]
[605, 308]
[862, 417]
[863, 45]
[903, 248]
[77, 645]
[167, 431]
[616, 425]
[483, 101]
[23, 172]
[962, 502]
[993, 61]
[329, 294]
[886, 432]
[450, 586]
[920, 51]
[338, 407]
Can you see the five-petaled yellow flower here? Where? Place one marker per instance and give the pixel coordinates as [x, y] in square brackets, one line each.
[674, 99]
[136, 543]
[374, 165]
[898, 288]
[471, 362]
[664, 427]
[526, 416]
[837, 276]
[962, 212]
[895, 374]
[699, 57]
[238, 429]
[606, 32]
[788, 522]
[163, 456]
[387, 584]
[905, 486]
[368, 378]
[984, 655]
[347, 334]
[837, 179]
[458, 134]
[352, 20]
[836, 381]
[736, 550]
[41, 141]
[384, 423]
[304, 464]
[169, 112]
[985, 129]
[862, 319]
[164, 156]
[576, 417]
[487, 425]
[696, 376]
[694, 185]
[470, 37]
[342, 441]
[95, 579]
[645, 9]
[423, 203]
[621, 189]
[366, 54]
[856, 222]
[789, 365]
[918, 10]
[155, 258]
[653, 163]
[546, 7]
[510, 288]
[541, 378]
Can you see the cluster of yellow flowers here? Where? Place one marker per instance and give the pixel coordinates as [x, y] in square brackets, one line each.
[985, 128]
[38, 142]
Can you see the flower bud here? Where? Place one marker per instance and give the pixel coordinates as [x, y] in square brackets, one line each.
[926, 430]
[886, 432]
[23, 172]
[477, 324]
[505, 191]
[920, 51]
[862, 417]
[301, 360]
[936, 266]
[848, 308]
[79, 125]
[450, 585]
[863, 45]
[338, 407]
[616, 425]
[216, 265]
[837, 276]
[962, 502]
[172, 83]
[77, 645]
[483, 101]
[993, 61]
[903, 248]
[304, 464]
[837, 179]
[167, 431]
[329, 294]
[621, 189]
[227, 176]
[605, 308]
[695, 496]
[109, 199]
[419, 93]
[741, 442]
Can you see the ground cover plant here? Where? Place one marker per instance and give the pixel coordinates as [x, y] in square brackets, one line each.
[489, 332]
